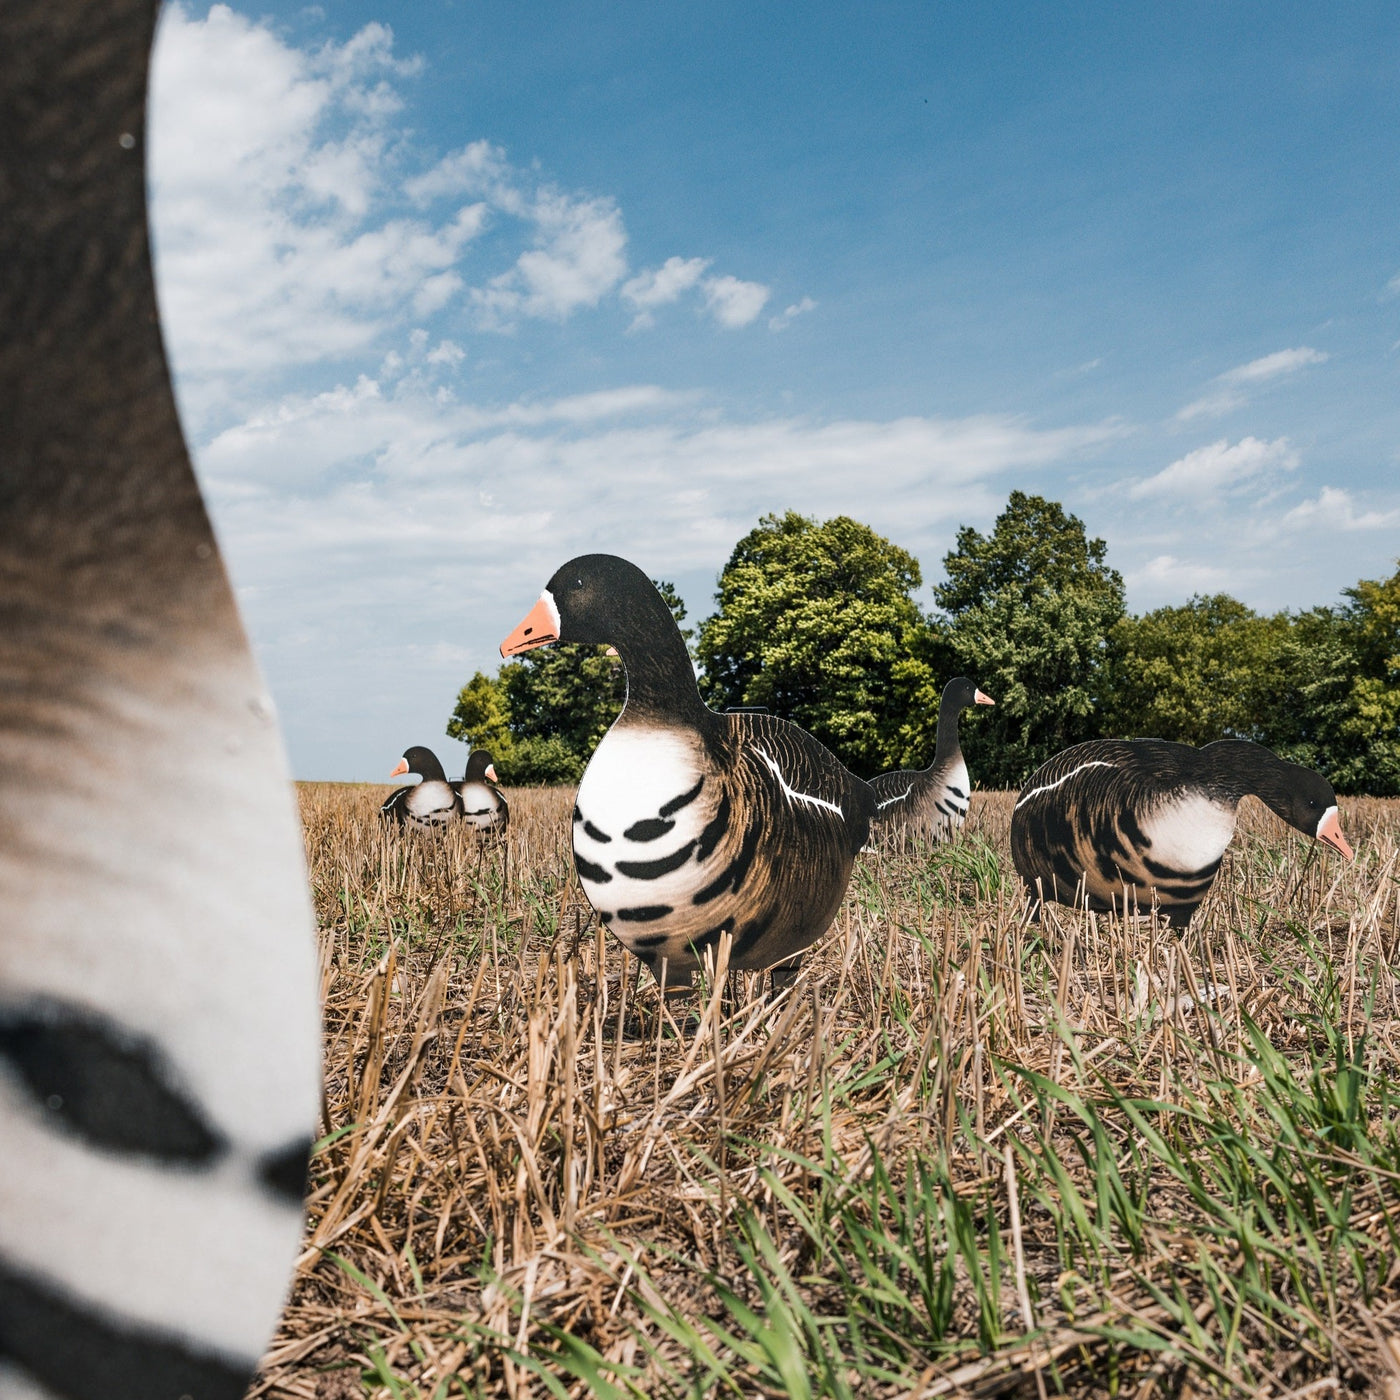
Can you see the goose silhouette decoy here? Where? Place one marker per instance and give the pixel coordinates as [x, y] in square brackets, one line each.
[429, 805]
[1126, 823]
[159, 1031]
[691, 824]
[483, 807]
[932, 802]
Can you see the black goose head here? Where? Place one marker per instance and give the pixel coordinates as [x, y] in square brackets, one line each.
[480, 767]
[961, 694]
[1297, 795]
[601, 599]
[596, 598]
[422, 761]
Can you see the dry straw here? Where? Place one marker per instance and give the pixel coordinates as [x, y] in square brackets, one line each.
[960, 1156]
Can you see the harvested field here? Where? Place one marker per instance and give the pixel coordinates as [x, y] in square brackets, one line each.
[962, 1156]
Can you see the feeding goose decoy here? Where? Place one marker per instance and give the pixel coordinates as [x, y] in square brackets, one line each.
[1147, 821]
[692, 824]
[159, 1036]
[429, 805]
[932, 802]
[483, 807]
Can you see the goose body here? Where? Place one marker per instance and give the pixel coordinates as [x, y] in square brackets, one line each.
[691, 824]
[931, 803]
[1128, 823]
[159, 1036]
[429, 805]
[483, 807]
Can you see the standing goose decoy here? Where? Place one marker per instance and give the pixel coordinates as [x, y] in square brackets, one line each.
[483, 807]
[159, 1037]
[932, 802]
[692, 824]
[426, 806]
[1154, 817]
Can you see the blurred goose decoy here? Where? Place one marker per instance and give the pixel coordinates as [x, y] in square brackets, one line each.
[483, 807]
[1126, 823]
[931, 803]
[691, 824]
[159, 1034]
[429, 805]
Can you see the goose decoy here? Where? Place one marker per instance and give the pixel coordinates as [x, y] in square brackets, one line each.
[1126, 823]
[483, 807]
[429, 805]
[932, 802]
[159, 1032]
[691, 824]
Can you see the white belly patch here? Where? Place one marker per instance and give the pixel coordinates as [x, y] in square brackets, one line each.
[634, 837]
[1189, 833]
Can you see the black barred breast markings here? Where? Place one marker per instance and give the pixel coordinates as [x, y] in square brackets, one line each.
[483, 807]
[159, 1038]
[931, 803]
[1128, 823]
[690, 824]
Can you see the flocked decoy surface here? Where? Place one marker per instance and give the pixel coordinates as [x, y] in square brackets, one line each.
[159, 1037]
[483, 806]
[429, 805]
[1126, 823]
[931, 803]
[692, 824]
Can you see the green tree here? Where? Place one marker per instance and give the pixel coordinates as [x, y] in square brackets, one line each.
[542, 716]
[816, 622]
[1333, 698]
[1194, 673]
[1029, 612]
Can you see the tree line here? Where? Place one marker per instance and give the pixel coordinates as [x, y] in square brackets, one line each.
[817, 622]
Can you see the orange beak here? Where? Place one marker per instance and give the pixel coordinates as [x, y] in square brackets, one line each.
[491, 772]
[983, 699]
[1329, 832]
[539, 628]
[402, 768]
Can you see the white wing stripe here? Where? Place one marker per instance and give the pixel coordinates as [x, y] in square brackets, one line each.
[1048, 787]
[792, 794]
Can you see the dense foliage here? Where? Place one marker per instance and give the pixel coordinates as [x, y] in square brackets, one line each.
[818, 622]
[1028, 611]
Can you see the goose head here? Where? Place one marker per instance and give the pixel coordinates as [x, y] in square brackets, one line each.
[480, 766]
[596, 598]
[1306, 801]
[423, 762]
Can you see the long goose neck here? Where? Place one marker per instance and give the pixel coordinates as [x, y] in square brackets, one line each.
[1239, 768]
[946, 744]
[660, 679]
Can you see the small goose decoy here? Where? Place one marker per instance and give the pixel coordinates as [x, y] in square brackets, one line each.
[160, 1051]
[426, 806]
[1138, 821]
[691, 824]
[932, 802]
[483, 807]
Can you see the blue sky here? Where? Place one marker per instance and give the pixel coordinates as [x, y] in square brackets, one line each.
[454, 292]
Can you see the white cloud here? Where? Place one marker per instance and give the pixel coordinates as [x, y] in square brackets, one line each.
[788, 315]
[1166, 575]
[664, 284]
[1335, 509]
[1218, 467]
[1229, 393]
[734, 303]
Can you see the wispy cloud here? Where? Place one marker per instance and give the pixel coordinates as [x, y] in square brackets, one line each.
[1335, 509]
[1218, 467]
[789, 314]
[1231, 388]
[298, 221]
